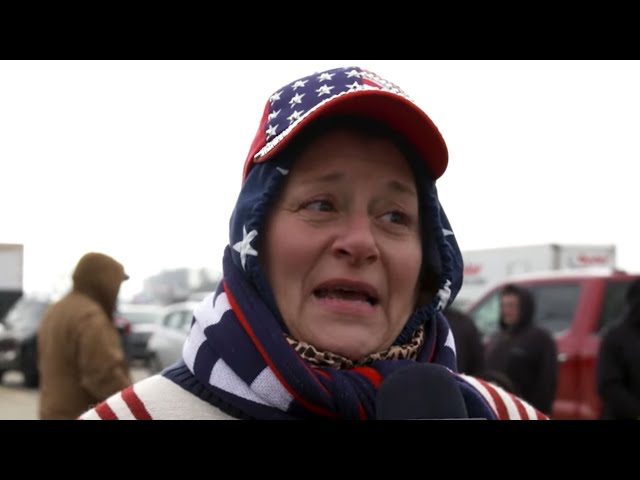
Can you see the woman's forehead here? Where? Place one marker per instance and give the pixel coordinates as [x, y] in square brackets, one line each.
[339, 152]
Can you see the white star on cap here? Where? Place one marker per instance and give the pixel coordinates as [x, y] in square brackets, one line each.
[275, 97]
[273, 115]
[294, 116]
[271, 131]
[297, 98]
[325, 76]
[353, 73]
[446, 232]
[244, 246]
[324, 90]
[299, 84]
[354, 86]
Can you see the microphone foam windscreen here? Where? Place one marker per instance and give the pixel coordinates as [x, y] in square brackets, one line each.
[421, 391]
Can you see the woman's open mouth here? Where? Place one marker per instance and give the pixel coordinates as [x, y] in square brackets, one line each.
[347, 297]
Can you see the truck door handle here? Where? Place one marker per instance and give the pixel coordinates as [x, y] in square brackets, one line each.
[562, 357]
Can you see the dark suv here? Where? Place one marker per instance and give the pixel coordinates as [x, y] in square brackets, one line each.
[18, 338]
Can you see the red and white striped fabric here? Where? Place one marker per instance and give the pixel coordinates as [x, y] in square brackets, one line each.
[506, 405]
[154, 398]
[158, 398]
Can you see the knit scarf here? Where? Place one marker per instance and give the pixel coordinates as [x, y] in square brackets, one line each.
[238, 353]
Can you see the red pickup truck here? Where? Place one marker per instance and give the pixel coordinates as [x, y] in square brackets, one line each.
[578, 307]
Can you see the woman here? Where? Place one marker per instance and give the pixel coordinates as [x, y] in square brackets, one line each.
[339, 264]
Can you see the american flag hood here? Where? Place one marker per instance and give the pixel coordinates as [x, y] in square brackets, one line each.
[352, 91]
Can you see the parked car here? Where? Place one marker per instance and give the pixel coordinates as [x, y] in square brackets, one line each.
[142, 320]
[578, 307]
[18, 338]
[165, 343]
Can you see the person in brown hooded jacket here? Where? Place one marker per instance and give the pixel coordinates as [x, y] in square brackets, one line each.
[80, 355]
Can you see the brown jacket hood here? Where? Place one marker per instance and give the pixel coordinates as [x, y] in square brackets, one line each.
[99, 277]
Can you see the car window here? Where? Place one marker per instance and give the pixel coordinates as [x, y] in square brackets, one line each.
[614, 305]
[555, 305]
[26, 312]
[138, 317]
[173, 320]
[7, 300]
[486, 314]
[187, 318]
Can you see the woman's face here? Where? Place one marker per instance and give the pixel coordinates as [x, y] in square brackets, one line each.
[343, 250]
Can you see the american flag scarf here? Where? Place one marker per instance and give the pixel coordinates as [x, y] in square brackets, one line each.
[236, 350]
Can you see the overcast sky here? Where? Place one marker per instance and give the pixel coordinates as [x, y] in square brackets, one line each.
[142, 160]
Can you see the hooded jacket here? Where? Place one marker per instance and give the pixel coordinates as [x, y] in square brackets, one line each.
[618, 373]
[526, 354]
[80, 354]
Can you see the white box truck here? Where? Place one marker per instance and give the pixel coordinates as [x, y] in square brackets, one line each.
[11, 275]
[482, 268]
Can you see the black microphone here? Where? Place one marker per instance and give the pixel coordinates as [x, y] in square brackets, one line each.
[424, 391]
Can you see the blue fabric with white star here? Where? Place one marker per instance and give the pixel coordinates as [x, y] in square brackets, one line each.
[291, 104]
[297, 99]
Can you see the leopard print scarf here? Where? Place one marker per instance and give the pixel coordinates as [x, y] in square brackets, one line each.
[319, 358]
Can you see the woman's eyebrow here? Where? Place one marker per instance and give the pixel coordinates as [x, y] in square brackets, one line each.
[401, 187]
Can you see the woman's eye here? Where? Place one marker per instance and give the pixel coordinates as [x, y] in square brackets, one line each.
[397, 217]
[319, 206]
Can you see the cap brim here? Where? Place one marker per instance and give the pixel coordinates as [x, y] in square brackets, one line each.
[396, 111]
[126, 277]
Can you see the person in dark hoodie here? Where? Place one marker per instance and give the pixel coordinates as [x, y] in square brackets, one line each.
[618, 373]
[468, 340]
[522, 351]
[80, 355]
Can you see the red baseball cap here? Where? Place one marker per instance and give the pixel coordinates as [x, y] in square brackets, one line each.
[340, 91]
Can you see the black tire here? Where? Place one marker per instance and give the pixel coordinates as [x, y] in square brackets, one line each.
[30, 364]
[31, 378]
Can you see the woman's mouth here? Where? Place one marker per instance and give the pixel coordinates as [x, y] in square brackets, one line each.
[346, 294]
[347, 297]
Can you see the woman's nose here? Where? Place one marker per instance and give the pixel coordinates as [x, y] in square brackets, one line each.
[356, 240]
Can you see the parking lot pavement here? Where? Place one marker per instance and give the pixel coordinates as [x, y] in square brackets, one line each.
[21, 403]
